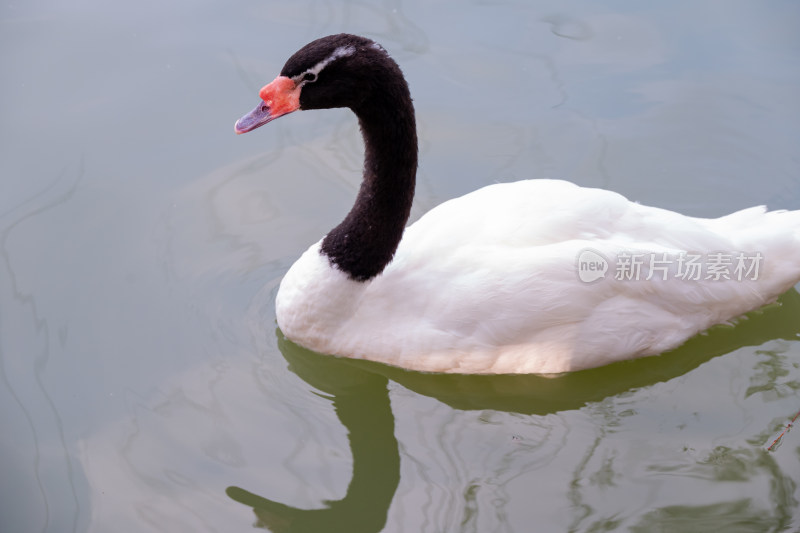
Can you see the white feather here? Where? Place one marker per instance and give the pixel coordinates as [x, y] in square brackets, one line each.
[487, 283]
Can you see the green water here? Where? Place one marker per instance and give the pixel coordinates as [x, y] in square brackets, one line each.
[143, 383]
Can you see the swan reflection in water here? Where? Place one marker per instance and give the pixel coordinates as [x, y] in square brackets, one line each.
[360, 397]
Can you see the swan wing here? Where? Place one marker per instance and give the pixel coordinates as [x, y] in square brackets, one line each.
[489, 282]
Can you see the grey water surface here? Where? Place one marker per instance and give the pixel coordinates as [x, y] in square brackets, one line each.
[144, 385]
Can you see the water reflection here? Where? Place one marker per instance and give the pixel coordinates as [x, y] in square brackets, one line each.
[361, 401]
[359, 393]
[744, 514]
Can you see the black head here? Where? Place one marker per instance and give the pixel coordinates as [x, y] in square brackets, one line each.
[335, 71]
[338, 71]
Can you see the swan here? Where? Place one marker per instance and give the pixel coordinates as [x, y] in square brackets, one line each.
[538, 276]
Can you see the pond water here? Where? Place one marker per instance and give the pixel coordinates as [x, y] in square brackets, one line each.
[143, 383]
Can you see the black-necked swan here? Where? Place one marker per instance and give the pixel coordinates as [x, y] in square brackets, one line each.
[538, 276]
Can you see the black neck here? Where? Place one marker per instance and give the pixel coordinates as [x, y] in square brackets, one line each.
[365, 242]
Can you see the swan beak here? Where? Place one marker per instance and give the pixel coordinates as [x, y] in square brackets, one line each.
[279, 98]
[255, 118]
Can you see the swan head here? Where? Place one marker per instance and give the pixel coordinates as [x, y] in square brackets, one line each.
[335, 71]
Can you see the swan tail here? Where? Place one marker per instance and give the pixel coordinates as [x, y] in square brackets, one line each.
[774, 235]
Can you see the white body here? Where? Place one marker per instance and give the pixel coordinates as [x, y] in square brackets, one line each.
[488, 283]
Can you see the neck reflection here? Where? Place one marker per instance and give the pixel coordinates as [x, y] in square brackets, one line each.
[361, 401]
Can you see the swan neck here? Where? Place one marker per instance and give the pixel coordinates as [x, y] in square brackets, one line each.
[366, 240]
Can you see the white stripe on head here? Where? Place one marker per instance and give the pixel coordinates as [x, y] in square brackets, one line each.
[342, 51]
[379, 48]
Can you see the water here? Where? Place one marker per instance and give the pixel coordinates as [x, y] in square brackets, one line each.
[143, 384]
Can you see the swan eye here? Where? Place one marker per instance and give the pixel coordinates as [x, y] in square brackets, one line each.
[309, 77]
